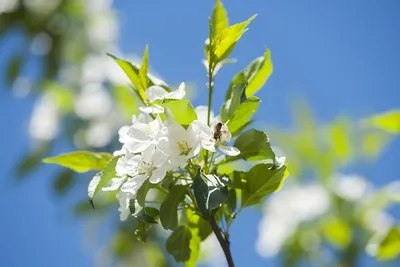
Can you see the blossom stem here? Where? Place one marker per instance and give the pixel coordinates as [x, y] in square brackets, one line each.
[223, 241]
[210, 84]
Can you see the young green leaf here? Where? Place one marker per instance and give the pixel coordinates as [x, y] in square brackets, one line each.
[102, 178]
[223, 43]
[255, 74]
[219, 18]
[210, 192]
[243, 114]
[230, 106]
[389, 121]
[389, 247]
[182, 111]
[132, 74]
[178, 244]
[144, 68]
[168, 209]
[81, 161]
[261, 181]
[254, 145]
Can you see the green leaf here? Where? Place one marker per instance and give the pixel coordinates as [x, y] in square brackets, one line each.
[223, 42]
[388, 121]
[63, 181]
[81, 161]
[210, 192]
[182, 111]
[132, 74]
[168, 209]
[102, 178]
[255, 74]
[14, 68]
[137, 205]
[389, 248]
[261, 181]
[337, 231]
[126, 100]
[148, 215]
[230, 106]
[178, 244]
[254, 145]
[144, 68]
[243, 114]
[200, 230]
[219, 18]
[231, 203]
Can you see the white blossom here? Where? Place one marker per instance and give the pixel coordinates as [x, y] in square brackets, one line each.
[156, 92]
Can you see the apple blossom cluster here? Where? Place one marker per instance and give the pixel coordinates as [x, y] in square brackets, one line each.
[152, 147]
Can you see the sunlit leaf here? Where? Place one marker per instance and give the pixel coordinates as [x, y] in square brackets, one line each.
[261, 181]
[389, 247]
[182, 111]
[389, 121]
[178, 244]
[230, 106]
[243, 114]
[219, 18]
[81, 161]
[132, 74]
[102, 178]
[337, 231]
[144, 68]
[255, 74]
[222, 43]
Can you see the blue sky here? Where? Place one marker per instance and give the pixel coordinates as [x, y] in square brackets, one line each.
[342, 56]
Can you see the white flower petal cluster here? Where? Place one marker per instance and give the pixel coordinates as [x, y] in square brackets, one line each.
[152, 147]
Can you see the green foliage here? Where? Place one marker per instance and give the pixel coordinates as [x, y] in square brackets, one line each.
[219, 18]
[388, 121]
[337, 231]
[255, 75]
[168, 209]
[178, 244]
[222, 44]
[182, 111]
[144, 69]
[210, 192]
[243, 114]
[389, 247]
[81, 161]
[230, 106]
[261, 181]
[104, 177]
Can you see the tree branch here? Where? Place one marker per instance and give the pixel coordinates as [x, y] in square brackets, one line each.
[225, 244]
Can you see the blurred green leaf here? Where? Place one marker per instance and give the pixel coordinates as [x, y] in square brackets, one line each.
[63, 181]
[81, 161]
[219, 18]
[261, 181]
[182, 111]
[388, 121]
[14, 68]
[63, 96]
[178, 244]
[222, 44]
[337, 231]
[126, 101]
[255, 74]
[389, 248]
[168, 209]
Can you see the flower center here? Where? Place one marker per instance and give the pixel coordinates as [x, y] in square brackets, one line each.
[184, 148]
[144, 167]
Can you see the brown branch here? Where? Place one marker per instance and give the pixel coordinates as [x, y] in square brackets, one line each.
[225, 245]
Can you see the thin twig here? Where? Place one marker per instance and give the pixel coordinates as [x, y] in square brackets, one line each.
[224, 243]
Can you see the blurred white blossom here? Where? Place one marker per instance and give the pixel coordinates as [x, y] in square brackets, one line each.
[285, 210]
[44, 123]
[8, 6]
[94, 101]
[351, 187]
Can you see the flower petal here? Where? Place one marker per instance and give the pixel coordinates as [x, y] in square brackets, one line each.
[158, 175]
[229, 150]
[93, 184]
[155, 109]
[155, 92]
[177, 94]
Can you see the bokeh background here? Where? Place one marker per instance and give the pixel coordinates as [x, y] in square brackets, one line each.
[335, 64]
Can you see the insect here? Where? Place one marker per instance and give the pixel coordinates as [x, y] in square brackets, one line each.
[217, 131]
